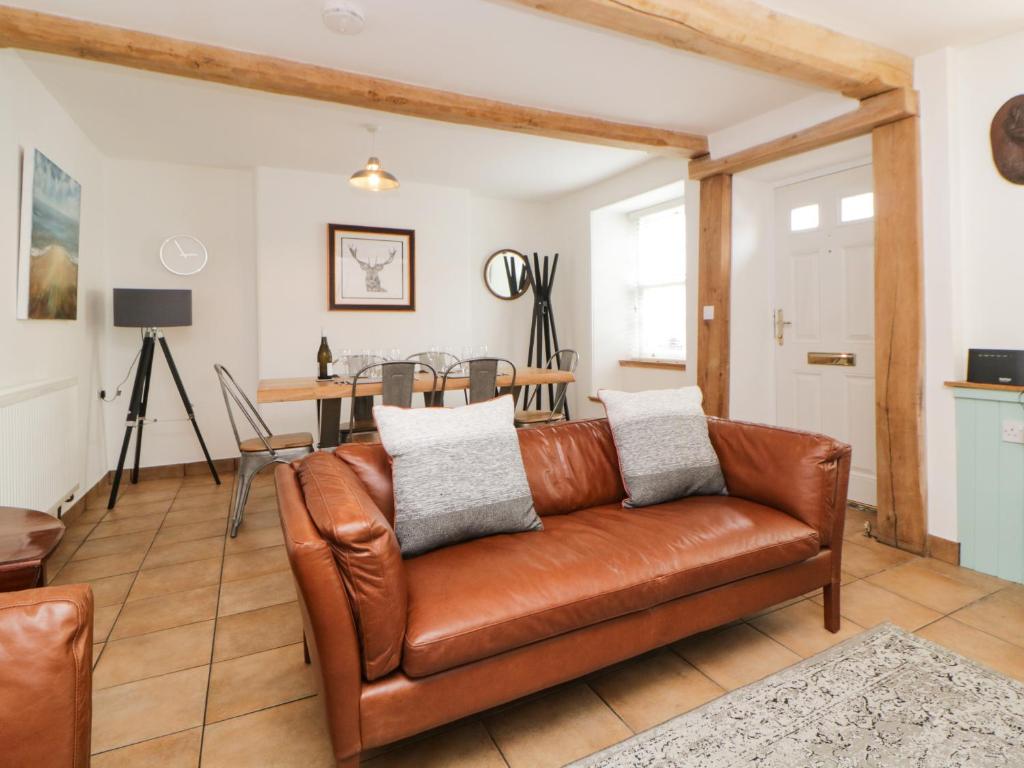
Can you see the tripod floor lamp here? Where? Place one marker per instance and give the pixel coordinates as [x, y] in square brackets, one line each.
[150, 310]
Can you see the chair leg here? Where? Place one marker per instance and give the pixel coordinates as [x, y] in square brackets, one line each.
[831, 594]
[243, 480]
[236, 492]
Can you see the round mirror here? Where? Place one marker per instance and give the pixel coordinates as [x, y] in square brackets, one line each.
[506, 274]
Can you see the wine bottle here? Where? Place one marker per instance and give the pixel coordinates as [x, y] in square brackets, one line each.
[324, 358]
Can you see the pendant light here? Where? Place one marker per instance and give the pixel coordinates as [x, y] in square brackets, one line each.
[373, 177]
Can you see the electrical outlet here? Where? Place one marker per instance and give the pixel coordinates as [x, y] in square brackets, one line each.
[1013, 431]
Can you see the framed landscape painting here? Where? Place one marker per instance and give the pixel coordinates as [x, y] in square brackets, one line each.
[371, 268]
[51, 210]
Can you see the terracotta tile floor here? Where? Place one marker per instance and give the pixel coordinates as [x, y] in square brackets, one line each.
[198, 655]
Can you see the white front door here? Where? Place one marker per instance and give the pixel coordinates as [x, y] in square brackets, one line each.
[825, 329]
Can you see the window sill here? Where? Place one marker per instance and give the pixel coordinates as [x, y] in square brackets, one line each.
[654, 362]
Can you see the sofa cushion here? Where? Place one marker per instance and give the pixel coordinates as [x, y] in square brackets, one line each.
[569, 466]
[483, 597]
[367, 554]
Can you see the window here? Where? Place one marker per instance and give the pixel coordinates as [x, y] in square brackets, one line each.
[857, 207]
[803, 218]
[660, 291]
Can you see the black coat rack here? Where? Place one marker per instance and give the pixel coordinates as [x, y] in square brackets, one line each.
[543, 335]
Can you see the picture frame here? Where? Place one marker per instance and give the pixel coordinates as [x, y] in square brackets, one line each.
[48, 247]
[371, 268]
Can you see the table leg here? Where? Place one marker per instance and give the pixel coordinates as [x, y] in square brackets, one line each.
[330, 422]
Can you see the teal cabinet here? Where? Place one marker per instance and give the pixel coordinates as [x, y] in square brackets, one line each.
[990, 482]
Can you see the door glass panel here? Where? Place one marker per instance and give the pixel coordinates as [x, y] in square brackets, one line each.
[857, 207]
[803, 218]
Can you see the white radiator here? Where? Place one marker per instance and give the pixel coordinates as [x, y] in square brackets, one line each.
[40, 454]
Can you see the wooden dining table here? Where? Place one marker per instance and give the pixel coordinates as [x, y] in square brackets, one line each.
[328, 394]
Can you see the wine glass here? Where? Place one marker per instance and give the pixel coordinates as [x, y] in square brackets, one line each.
[341, 362]
[355, 363]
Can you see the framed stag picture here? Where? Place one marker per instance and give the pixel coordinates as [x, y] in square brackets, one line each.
[51, 209]
[371, 268]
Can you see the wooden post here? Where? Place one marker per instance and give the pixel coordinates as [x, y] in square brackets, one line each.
[713, 290]
[899, 312]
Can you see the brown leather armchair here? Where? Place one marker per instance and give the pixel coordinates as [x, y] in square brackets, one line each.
[401, 646]
[46, 677]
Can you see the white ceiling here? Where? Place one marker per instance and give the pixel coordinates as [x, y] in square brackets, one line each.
[912, 27]
[129, 113]
[480, 47]
[477, 47]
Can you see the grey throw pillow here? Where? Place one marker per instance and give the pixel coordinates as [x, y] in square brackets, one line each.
[661, 437]
[457, 473]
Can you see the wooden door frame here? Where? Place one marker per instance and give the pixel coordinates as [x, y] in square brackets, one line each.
[899, 306]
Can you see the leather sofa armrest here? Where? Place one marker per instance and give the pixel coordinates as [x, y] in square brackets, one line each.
[802, 474]
[46, 676]
[330, 628]
[367, 554]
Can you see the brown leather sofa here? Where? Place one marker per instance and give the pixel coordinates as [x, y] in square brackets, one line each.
[401, 646]
[46, 677]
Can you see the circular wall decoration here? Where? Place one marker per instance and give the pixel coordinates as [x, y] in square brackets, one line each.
[507, 274]
[1008, 140]
[183, 254]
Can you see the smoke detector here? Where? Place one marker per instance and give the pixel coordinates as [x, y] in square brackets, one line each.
[343, 17]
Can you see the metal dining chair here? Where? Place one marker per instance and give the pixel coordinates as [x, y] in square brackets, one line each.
[483, 378]
[397, 379]
[255, 453]
[563, 360]
[438, 361]
[362, 406]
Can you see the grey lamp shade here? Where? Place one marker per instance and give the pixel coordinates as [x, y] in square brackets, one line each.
[152, 307]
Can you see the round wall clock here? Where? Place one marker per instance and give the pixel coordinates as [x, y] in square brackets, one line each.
[183, 254]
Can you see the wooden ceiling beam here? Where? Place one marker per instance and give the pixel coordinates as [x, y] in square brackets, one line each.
[746, 33]
[873, 112]
[29, 30]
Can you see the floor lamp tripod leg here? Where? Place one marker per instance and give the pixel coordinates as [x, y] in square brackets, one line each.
[148, 375]
[145, 364]
[188, 406]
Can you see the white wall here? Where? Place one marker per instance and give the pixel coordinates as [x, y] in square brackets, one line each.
[752, 348]
[974, 262]
[789, 118]
[990, 206]
[572, 230]
[612, 275]
[944, 357]
[33, 350]
[146, 203]
[454, 234]
[504, 326]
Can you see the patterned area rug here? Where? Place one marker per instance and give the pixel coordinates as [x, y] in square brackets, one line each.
[882, 699]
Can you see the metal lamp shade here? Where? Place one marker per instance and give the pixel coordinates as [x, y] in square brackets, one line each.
[373, 177]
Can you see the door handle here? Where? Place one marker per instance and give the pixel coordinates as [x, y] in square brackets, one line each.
[780, 327]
